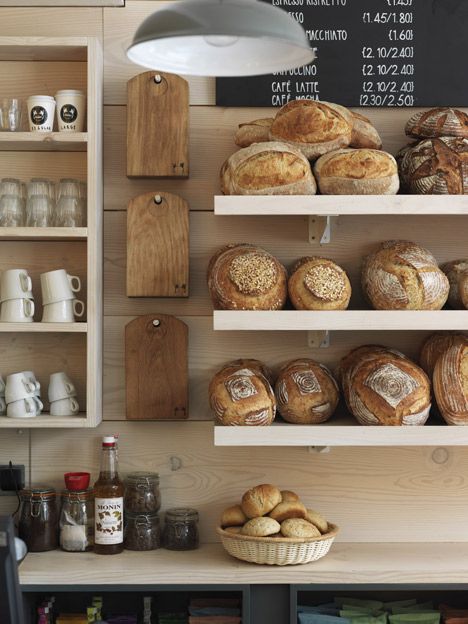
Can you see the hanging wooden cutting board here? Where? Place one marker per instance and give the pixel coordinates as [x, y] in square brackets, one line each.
[157, 126]
[158, 246]
[156, 368]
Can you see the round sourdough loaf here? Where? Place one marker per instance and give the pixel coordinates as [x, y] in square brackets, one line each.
[451, 384]
[438, 122]
[270, 168]
[357, 172]
[364, 134]
[385, 389]
[306, 392]
[260, 500]
[434, 346]
[401, 275]
[318, 284]
[241, 396]
[457, 273]
[314, 128]
[436, 167]
[245, 277]
[345, 369]
[255, 365]
[256, 131]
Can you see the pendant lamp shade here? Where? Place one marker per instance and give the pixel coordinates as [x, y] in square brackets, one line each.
[220, 38]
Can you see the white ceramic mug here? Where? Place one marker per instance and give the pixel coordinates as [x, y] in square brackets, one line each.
[60, 387]
[64, 407]
[15, 284]
[71, 110]
[21, 386]
[24, 408]
[41, 109]
[59, 286]
[17, 311]
[63, 311]
[2, 406]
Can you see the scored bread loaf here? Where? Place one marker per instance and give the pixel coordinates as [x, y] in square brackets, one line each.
[434, 346]
[256, 131]
[436, 167]
[245, 277]
[451, 384]
[401, 275]
[254, 365]
[306, 392]
[357, 172]
[457, 274]
[260, 500]
[270, 168]
[345, 369]
[364, 133]
[241, 397]
[318, 284]
[438, 122]
[385, 389]
[313, 127]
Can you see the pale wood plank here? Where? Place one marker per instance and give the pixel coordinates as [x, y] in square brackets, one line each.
[46, 421]
[51, 22]
[44, 328]
[43, 233]
[52, 165]
[366, 493]
[38, 141]
[40, 48]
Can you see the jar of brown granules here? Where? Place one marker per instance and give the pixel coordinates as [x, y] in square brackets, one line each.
[181, 529]
[142, 493]
[38, 518]
[142, 531]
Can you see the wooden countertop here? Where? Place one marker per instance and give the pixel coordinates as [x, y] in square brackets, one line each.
[346, 563]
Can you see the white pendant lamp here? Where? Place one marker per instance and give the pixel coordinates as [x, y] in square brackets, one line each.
[220, 38]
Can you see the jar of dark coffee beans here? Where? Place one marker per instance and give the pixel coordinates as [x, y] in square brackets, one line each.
[181, 529]
[38, 518]
[142, 492]
[142, 531]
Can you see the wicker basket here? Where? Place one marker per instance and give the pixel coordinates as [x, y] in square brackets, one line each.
[277, 550]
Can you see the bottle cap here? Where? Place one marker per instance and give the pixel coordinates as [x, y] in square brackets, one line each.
[108, 441]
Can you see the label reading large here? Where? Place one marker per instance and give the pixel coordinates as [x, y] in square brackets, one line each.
[108, 521]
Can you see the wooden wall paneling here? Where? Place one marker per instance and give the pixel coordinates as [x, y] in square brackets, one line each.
[285, 237]
[52, 165]
[209, 350]
[119, 28]
[374, 495]
[14, 446]
[50, 21]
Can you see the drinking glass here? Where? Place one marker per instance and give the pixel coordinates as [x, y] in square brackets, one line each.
[10, 186]
[38, 211]
[11, 211]
[10, 114]
[41, 186]
[69, 212]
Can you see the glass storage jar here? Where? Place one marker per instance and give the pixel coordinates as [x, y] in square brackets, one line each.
[142, 531]
[38, 518]
[181, 529]
[142, 493]
[77, 521]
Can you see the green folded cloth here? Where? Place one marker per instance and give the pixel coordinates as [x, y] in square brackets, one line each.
[415, 618]
[362, 618]
[358, 602]
[422, 607]
[388, 606]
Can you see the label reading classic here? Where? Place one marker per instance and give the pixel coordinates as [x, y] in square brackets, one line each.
[394, 53]
[108, 521]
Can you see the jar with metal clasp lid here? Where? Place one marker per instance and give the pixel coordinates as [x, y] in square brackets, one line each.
[181, 529]
[142, 531]
[142, 493]
[38, 518]
[77, 520]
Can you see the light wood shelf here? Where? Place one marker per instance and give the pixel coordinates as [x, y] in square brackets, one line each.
[44, 48]
[44, 233]
[334, 205]
[347, 563]
[341, 320]
[45, 421]
[43, 141]
[44, 328]
[340, 431]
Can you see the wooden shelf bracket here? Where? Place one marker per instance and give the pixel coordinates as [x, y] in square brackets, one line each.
[318, 339]
[319, 230]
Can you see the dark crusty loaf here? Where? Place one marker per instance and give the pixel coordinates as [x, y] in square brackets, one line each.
[438, 122]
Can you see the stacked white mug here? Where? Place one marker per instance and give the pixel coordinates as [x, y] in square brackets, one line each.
[17, 305]
[2, 397]
[58, 297]
[62, 395]
[22, 395]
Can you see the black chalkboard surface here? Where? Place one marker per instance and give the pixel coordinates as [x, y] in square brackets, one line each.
[369, 53]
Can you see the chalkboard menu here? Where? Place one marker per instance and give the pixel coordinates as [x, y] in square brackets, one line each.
[369, 53]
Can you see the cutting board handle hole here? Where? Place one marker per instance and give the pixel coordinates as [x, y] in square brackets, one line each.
[156, 323]
[158, 199]
[157, 79]
[160, 83]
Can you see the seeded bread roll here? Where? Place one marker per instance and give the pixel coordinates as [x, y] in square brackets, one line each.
[451, 384]
[260, 500]
[270, 168]
[233, 516]
[364, 133]
[314, 128]
[254, 365]
[241, 397]
[434, 346]
[289, 497]
[296, 527]
[256, 131]
[317, 520]
[357, 172]
[457, 274]
[438, 122]
[306, 392]
[285, 510]
[436, 167]
[245, 277]
[401, 275]
[318, 284]
[260, 527]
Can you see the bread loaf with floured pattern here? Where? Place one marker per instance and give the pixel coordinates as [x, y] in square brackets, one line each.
[451, 384]
[434, 346]
[457, 274]
[438, 122]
